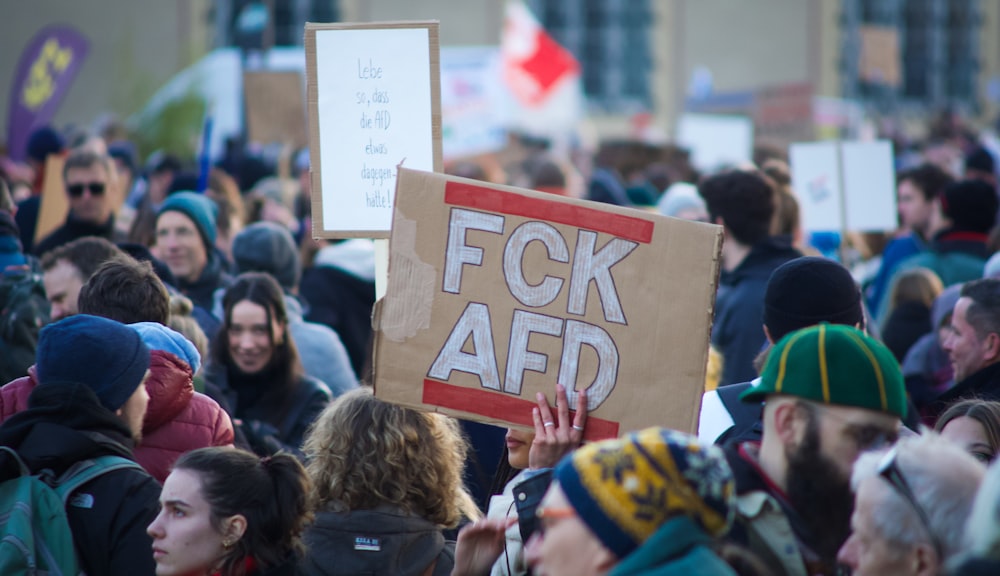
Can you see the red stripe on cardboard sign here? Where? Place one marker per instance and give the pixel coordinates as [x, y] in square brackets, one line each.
[627, 227]
[502, 407]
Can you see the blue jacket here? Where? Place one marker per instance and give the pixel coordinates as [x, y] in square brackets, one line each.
[898, 250]
[678, 548]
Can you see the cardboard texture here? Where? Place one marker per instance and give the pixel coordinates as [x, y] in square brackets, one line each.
[374, 102]
[275, 108]
[55, 204]
[496, 293]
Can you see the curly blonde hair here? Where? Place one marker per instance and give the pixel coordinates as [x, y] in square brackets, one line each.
[364, 452]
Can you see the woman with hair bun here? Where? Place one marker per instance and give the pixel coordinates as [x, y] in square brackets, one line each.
[226, 512]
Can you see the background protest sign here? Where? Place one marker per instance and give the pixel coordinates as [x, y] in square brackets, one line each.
[496, 293]
[374, 102]
[716, 139]
[275, 108]
[54, 204]
[845, 186]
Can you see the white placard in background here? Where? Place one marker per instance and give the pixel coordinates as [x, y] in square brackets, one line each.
[373, 88]
[716, 140]
[869, 186]
[816, 181]
[844, 185]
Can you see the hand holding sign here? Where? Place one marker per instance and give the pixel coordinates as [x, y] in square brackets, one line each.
[556, 438]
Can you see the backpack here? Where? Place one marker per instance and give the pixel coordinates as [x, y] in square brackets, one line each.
[35, 537]
[24, 309]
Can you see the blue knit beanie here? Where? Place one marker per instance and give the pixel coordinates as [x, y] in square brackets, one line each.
[44, 142]
[106, 356]
[159, 337]
[198, 208]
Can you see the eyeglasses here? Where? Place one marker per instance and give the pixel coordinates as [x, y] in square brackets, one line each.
[76, 190]
[551, 513]
[888, 469]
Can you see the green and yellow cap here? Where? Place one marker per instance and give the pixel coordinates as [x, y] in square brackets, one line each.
[833, 364]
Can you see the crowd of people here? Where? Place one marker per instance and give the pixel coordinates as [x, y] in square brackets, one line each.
[189, 371]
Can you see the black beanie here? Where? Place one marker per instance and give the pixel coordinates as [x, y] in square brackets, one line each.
[971, 205]
[809, 290]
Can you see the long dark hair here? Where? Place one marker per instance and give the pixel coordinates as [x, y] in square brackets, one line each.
[272, 493]
[261, 289]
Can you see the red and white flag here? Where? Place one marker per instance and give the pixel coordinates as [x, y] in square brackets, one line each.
[534, 64]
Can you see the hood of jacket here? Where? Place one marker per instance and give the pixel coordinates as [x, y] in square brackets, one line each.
[380, 541]
[170, 386]
[65, 423]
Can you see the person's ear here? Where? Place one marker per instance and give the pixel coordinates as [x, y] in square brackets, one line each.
[767, 333]
[991, 347]
[788, 423]
[925, 560]
[233, 529]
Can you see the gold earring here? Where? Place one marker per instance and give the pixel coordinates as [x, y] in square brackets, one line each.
[227, 544]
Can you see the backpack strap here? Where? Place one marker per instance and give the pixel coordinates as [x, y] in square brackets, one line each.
[82, 472]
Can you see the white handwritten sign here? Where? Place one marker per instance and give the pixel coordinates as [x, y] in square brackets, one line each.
[374, 102]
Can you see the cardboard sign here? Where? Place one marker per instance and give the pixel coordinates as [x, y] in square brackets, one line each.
[275, 108]
[716, 140]
[880, 59]
[374, 103]
[54, 205]
[845, 186]
[497, 293]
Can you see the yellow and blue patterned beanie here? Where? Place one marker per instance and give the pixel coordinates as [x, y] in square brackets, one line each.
[625, 489]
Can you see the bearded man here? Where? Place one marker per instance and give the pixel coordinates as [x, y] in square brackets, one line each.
[830, 392]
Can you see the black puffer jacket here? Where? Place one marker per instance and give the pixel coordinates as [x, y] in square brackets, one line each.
[380, 542]
[65, 424]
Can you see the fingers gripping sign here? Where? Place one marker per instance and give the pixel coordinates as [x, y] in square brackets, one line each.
[556, 436]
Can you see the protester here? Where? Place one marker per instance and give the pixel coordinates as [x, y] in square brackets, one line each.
[681, 200]
[830, 392]
[926, 367]
[340, 290]
[68, 267]
[178, 419]
[973, 346]
[973, 425]
[653, 502]
[43, 142]
[256, 368]
[800, 293]
[743, 203]
[127, 291]
[958, 253]
[181, 321]
[909, 314]
[911, 505]
[524, 455]
[185, 241]
[227, 512]
[146, 201]
[268, 247]
[919, 198]
[91, 402]
[386, 481]
[89, 181]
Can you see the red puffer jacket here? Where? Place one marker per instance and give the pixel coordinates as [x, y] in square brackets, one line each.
[178, 419]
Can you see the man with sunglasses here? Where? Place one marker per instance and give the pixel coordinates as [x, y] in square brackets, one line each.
[88, 180]
[911, 507]
[830, 392]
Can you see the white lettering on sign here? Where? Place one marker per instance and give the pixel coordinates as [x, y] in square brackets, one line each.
[579, 334]
[458, 252]
[519, 358]
[545, 292]
[474, 322]
[588, 265]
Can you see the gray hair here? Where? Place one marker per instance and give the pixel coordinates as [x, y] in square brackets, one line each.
[944, 479]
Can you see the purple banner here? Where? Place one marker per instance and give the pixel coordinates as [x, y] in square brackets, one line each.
[44, 74]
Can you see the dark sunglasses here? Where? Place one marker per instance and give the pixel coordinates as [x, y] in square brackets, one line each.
[76, 190]
[889, 470]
